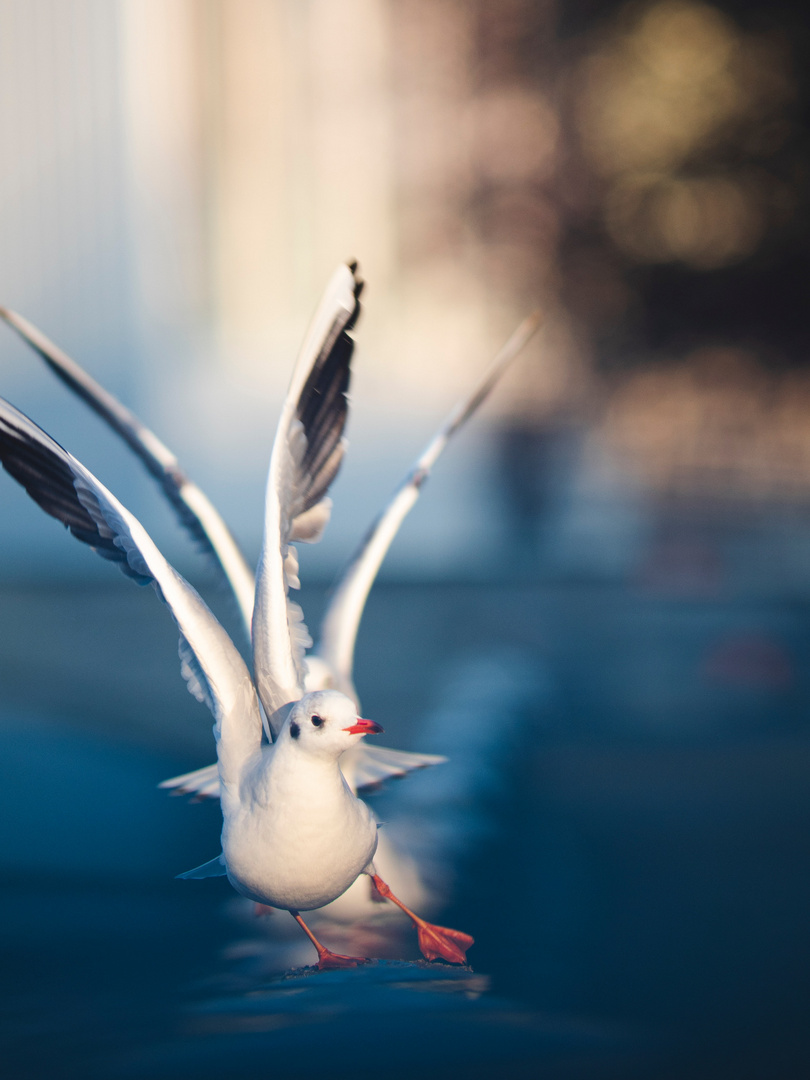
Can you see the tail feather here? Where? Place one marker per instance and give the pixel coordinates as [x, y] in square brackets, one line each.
[212, 868]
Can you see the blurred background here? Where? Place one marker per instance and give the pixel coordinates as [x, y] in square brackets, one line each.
[629, 517]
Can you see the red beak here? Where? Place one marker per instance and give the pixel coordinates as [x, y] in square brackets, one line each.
[364, 727]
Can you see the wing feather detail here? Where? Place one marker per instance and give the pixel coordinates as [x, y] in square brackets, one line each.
[307, 453]
[308, 527]
[201, 783]
[342, 619]
[212, 666]
[371, 766]
[194, 509]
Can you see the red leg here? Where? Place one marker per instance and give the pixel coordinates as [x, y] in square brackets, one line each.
[434, 941]
[326, 958]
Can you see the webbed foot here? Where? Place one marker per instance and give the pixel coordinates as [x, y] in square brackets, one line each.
[434, 941]
[441, 941]
[329, 961]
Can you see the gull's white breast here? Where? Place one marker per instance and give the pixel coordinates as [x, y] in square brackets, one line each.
[295, 836]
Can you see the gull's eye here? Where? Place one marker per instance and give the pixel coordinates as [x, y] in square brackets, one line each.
[316, 720]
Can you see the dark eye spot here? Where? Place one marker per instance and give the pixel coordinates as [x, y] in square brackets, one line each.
[295, 730]
[316, 720]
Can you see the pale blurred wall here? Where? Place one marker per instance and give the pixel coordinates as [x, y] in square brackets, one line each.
[62, 177]
[179, 178]
[65, 231]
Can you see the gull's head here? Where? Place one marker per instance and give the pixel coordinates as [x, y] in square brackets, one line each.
[326, 723]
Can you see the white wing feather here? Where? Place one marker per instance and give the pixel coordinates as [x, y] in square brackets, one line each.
[342, 618]
[65, 489]
[307, 452]
[194, 509]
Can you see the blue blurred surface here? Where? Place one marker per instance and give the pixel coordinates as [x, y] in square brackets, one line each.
[638, 900]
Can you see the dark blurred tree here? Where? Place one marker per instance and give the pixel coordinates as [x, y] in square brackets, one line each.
[675, 211]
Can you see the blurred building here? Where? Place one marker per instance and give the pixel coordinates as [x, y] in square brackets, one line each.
[179, 178]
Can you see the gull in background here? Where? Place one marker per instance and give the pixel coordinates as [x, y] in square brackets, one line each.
[294, 835]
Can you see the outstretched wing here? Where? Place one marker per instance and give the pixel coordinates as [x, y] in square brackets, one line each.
[201, 783]
[342, 618]
[210, 663]
[365, 769]
[193, 508]
[307, 453]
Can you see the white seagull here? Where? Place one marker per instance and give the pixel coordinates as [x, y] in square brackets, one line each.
[294, 834]
[331, 664]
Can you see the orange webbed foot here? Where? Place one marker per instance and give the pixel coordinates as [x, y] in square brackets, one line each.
[434, 941]
[441, 941]
[329, 961]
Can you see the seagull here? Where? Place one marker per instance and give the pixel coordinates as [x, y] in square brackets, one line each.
[331, 664]
[295, 835]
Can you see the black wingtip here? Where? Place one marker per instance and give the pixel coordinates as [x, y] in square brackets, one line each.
[323, 406]
[359, 283]
[43, 468]
[350, 323]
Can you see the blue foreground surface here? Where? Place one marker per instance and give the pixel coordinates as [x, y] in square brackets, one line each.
[632, 853]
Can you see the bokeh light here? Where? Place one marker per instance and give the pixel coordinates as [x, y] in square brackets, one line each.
[660, 101]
